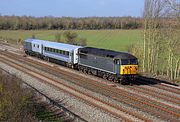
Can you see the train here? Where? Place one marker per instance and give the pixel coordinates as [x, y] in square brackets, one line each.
[112, 65]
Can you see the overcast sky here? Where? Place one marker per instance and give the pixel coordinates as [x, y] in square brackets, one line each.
[72, 8]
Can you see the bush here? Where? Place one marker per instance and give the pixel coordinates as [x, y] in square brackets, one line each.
[15, 102]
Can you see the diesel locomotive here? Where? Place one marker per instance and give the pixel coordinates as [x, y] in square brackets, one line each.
[111, 65]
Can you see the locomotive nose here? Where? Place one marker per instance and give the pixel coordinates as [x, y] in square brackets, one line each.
[129, 69]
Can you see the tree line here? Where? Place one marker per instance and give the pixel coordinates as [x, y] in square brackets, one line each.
[68, 23]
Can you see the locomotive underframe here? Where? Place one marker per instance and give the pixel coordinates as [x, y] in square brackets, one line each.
[49, 59]
[106, 75]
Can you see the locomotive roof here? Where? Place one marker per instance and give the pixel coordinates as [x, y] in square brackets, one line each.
[57, 45]
[106, 53]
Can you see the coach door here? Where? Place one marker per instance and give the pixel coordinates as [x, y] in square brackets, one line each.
[41, 49]
[71, 55]
[116, 66]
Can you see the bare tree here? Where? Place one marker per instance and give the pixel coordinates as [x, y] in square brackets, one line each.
[173, 4]
[161, 38]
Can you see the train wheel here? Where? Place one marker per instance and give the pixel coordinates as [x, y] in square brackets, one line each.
[116, 80]
[46, 59]
[89, 72]
[110, 78]
[81, 70]
[85, 71]
[105, 76]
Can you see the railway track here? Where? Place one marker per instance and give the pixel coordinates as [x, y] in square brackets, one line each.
[159, 85]
[133, 99]
[109, 108]
[158, 95]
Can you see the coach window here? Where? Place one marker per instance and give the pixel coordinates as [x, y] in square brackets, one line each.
[66, 53]
[56, 50]
[34, 45]
[37, 46]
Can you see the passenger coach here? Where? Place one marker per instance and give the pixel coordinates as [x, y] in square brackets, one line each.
[59, 52]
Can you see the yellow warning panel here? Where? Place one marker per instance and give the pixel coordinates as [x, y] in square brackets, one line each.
[128, 69]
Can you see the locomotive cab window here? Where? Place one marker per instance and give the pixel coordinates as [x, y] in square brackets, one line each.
[124, 62]
[133, 61]
[129, 61]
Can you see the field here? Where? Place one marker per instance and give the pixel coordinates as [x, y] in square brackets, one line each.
[118, 40]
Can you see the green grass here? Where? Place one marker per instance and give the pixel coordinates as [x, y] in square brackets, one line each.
[118, 40]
